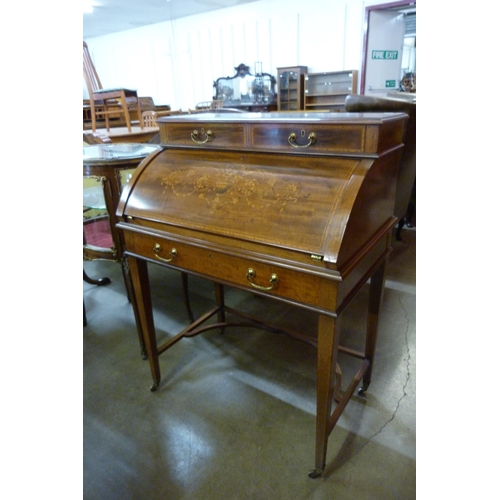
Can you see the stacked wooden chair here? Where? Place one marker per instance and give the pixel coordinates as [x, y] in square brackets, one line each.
[106, 102]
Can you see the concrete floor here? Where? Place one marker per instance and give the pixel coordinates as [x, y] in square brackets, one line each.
[234, 417]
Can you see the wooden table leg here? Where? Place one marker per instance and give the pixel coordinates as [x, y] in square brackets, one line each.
[328, 342]
[142, 292]
[374, 304]
[185, 293]
[220, 302]
[131, 295]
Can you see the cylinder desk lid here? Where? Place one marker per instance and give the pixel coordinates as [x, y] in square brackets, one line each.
[313, 205]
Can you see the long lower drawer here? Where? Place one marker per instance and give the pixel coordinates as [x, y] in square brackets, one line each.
[284, 282]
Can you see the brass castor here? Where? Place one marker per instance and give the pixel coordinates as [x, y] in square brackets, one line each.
[363, 389]
[314, 473]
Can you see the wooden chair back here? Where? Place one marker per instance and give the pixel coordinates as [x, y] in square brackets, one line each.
[203, 106]
[89, 72]
[110, 101]
[149, 118]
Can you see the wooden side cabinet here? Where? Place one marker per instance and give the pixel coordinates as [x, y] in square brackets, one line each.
[327, 91]
[291, 88]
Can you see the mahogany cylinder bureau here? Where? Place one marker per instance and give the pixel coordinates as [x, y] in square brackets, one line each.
[295, 206]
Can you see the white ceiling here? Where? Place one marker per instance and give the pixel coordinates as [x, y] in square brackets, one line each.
[111, 16]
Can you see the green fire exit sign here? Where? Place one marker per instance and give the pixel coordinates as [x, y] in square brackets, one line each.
[384, 54]
[390, 84]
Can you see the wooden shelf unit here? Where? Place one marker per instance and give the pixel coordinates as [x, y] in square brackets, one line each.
[327, 91]
[291, 88]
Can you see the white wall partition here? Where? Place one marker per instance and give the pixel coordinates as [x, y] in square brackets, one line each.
[177, 62]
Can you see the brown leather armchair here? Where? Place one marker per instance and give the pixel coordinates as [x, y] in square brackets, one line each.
[406, 188]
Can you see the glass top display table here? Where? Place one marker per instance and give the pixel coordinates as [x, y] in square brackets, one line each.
[106, 170]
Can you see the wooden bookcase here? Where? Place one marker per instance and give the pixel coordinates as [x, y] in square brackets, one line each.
[291, 88]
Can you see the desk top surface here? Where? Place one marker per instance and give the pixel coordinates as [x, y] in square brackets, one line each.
[282, 117]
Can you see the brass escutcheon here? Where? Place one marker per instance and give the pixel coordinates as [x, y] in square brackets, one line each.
[292, 140]
[209, 136]
[157, 251]
[273, 280]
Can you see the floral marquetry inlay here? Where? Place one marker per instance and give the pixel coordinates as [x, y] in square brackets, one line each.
[231, 187]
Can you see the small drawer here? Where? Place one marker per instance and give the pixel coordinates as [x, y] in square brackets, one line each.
[292, 284]
[204, 135]
[309, 138]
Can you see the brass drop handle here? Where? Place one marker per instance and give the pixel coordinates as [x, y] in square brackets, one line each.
[273, 280]
[157, 251]
[209, 136]
[292, 140]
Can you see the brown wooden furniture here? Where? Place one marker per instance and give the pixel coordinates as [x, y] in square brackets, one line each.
[287, 205]
[328, 91]
[405, 193]
[106, 170]
[117, 120]
[95, 138]
[291, 88]
[101, 99]
[246, 91]
[88, 139]
[149, 118]
[207, 105]
[92, 281]
[120, 135]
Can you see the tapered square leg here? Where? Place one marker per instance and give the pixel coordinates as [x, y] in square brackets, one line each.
[142, 291]
[328, 342]
[374, 303]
